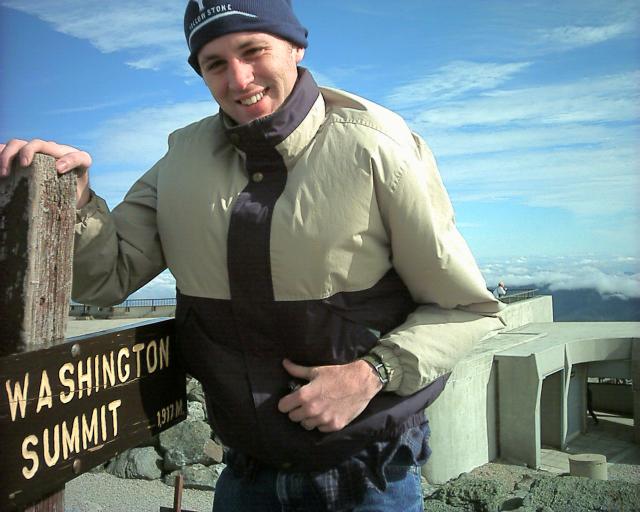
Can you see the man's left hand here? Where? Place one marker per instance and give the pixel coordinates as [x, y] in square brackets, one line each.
[334, 396]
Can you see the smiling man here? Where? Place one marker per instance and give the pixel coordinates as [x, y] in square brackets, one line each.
[324, 292]
[249, 74]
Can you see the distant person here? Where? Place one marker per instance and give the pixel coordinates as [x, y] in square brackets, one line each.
[500, 291]
[324, 291]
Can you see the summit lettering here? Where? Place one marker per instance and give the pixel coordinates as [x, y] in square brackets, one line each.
[80, 378]
[89, 429]
[211, 11]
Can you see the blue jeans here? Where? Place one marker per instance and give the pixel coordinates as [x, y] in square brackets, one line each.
[275, 491]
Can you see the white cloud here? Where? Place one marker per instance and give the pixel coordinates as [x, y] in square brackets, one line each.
[124, 147]
[619, 277]
[139, 137]
[519, 138]
[571, 36]
[555, 145]
[148, 29]
[611, 277]
[85, 108]
[586, 180]
[590, 100]
[162, 287]
[453, 81]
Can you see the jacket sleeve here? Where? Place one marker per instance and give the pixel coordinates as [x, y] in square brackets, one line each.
[115, 253]
[428, 252]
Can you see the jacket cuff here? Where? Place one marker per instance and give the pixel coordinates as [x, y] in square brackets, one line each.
[89, 209]
[392, 364]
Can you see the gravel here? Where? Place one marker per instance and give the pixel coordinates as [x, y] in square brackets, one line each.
[102, 492]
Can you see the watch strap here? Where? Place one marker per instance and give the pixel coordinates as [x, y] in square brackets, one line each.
[378, 367]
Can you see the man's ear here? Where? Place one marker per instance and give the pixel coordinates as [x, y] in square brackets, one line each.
[298, 54]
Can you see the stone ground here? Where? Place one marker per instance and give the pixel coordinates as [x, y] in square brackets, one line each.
[497, 487]
[492, 487]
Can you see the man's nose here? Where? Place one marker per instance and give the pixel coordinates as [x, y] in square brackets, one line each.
[240, 75]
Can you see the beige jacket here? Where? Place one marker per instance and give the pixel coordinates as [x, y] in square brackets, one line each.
[363, 195]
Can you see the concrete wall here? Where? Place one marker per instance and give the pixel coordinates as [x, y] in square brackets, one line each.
[577, 402]
[538, 309]
[464, 418]
[551, 403]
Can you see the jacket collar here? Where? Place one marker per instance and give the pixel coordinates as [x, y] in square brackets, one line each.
[288, 129]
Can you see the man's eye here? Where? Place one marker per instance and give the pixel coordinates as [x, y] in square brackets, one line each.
[253, 52]
[214, 65]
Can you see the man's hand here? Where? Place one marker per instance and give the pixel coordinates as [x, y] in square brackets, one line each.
[334, 396]
[67, 159]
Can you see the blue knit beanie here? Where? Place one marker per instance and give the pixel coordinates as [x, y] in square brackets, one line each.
[205, 20]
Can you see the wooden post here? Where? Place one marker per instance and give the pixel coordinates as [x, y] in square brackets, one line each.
[37, 211]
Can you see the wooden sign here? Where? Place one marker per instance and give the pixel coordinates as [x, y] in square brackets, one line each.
[67, 408]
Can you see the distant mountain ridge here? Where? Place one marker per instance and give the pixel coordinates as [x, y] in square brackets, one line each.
[587, 305]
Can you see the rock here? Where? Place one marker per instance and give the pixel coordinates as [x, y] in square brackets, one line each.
[145, 463]
[624, 472]
[517, 477]
[472, 493]
[196, 411]
[582, 494]
[437, 506]
[195, 393]
[184, 444]
[513, 503]
[199, 477]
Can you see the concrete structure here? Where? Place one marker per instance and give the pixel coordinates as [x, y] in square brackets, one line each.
[590, 465]
[536, 309]
[542, 382]
[494, 409]
[464, 418]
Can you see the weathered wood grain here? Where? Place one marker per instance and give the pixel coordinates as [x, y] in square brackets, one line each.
[37, 208]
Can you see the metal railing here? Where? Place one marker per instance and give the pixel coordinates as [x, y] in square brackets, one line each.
[147, 303]
[81, 310]
[518, 295]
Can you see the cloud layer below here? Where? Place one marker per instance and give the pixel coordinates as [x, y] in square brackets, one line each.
[619, 277]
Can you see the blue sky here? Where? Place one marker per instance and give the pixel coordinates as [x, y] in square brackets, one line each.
[532, 108]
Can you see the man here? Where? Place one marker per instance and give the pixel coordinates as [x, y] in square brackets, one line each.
[500, 291]
[324, 293]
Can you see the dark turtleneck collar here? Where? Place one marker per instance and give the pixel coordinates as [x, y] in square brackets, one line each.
[271, 130]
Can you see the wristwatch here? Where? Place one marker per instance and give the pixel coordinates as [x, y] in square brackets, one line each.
[381, 370]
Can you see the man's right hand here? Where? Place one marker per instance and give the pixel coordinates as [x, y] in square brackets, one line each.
[67, 159]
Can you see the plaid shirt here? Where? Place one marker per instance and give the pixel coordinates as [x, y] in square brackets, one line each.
[343, 486]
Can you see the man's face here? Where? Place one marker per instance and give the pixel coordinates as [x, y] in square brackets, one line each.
[250, 74]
